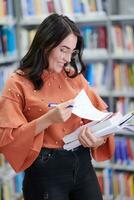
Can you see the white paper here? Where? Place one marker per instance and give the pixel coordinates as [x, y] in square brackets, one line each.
[100, 131]
[112, 125]
[85, 109]
[72, 145]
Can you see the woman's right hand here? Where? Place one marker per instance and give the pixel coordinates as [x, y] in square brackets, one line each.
[61, 112]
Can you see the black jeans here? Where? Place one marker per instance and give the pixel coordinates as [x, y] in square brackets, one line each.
[58, 174]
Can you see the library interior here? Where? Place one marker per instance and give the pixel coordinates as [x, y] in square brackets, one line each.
[107, 27]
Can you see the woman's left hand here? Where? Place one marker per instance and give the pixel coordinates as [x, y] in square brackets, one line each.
[88, 139]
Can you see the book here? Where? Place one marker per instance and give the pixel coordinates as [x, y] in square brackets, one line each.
[109, 125]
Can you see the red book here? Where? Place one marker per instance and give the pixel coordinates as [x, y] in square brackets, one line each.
[102, 37]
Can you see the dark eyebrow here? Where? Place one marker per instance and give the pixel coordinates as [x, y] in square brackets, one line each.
[66, 46]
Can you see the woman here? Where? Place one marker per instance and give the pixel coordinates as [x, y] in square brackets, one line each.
[31, 132]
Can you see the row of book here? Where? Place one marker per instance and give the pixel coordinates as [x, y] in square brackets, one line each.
[123, 76]
[119, 78]
[122, 38]
[98, 76]
[94, 36]
[11, 189]
[5, 71]
[7, 40]
[124, 150]
[71, 7]
[123, 104]
[116, 184]
[27, 37]
[6, 8]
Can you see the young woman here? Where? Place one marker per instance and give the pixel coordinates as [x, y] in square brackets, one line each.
[31, 132]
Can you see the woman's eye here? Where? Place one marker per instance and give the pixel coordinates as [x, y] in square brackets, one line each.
[63, 50]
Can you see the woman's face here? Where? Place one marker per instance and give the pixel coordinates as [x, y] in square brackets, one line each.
[62, 53]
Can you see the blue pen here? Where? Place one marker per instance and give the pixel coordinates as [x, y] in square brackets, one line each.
[55, 104]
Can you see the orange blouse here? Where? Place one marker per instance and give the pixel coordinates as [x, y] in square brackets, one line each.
[21, 105]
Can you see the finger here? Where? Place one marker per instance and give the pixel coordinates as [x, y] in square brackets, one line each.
[65, 114]
[89, 138]
[86, 142]
[90, 135]
[83, 138]
[82, 143]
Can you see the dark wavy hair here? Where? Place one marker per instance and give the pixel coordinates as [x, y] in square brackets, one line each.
[50, 33]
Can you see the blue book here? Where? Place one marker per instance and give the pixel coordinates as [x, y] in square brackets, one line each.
[0, 41]
[30, 7]
[110, 172]
[18, 182]
[77, 6]
[1, 79]
[11, 39]
[117, 154]
[10, 8]
[89, 75]
[87, 37]
[124, 151]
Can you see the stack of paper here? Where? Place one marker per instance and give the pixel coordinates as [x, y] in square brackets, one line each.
[113, 124]
[103, 123]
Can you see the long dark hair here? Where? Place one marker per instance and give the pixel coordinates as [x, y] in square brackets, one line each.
[50, 34]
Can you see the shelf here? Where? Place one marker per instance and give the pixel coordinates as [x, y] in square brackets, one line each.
[121, 17]
[123, 56]
[79, 18]
[8, 58]
[31, 20]
[125, 133]
[120, 93]
[7, 21]
[95, 55]
[92, 17]
[123, 167]
[108, 164]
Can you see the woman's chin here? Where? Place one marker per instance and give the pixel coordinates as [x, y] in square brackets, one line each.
[58, 70]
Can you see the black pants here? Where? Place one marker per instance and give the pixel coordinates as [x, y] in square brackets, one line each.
[58, 174]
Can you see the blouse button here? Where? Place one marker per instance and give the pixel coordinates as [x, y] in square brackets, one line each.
[40, 110]
[17, 95]
[62, 100]
[49, 84]
[60, 86]
[35, 91]
[29, 108]
[56, 142]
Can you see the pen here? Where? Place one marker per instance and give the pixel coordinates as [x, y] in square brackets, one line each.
[55, 104]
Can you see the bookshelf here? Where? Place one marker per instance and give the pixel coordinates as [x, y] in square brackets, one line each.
[10, 182]
[112, 21]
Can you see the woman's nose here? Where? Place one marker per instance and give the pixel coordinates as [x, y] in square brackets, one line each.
[67, 57]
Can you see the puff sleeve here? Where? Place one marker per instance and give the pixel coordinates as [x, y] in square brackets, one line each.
[105, 151]
[17, 136]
